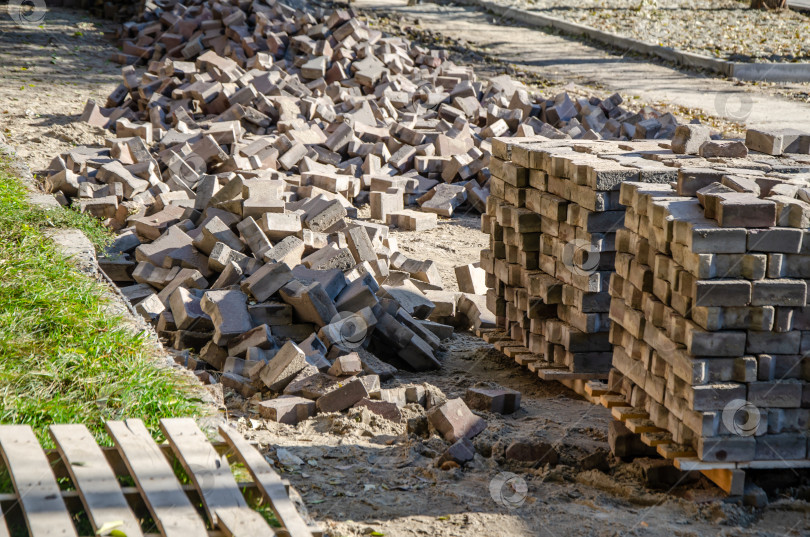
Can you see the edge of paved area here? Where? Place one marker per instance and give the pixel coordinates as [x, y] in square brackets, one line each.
[762, 72]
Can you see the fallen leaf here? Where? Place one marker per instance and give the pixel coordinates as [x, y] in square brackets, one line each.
[109, 527]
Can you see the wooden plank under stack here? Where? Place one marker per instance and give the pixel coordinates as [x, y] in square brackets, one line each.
[552, 218]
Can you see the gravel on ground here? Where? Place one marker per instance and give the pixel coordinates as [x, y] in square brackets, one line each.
[726, 29]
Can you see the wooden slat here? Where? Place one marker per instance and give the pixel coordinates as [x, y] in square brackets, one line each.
[669, 450]
[73, 501]
[731, 481]
[212, 476]
[42, 505]
[623, 413]
[656, 438]
[167, 502]
[511, 352]
[482, 332]
[642, 425]
[243, 522]
[777, 464]
[95, 481]
[799, 5]
[688, 464]
[596, 389]
[546, 373]
[3, 527]
[610, 401]
[269, 483]
[495, 336]
[114, 458]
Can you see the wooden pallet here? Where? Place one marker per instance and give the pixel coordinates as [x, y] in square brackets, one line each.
[578, 382]
[212, 504]
[727, 476]
[730, 479]
[638, 421]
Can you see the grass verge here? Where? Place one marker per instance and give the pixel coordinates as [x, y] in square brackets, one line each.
[63, 359]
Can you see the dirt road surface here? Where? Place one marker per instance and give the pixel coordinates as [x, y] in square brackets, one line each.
[47, 73]
[360, 474]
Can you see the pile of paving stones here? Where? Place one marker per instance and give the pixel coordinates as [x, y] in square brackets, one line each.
[234, 174]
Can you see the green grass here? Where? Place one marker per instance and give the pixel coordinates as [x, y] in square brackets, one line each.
[268, 514]
[62, 358]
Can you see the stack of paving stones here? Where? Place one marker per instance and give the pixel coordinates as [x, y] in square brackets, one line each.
[552, 218]
[710, 323]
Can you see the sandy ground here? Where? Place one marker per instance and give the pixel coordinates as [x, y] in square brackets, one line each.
[456, 241]
[361, 475]
[46, 76]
